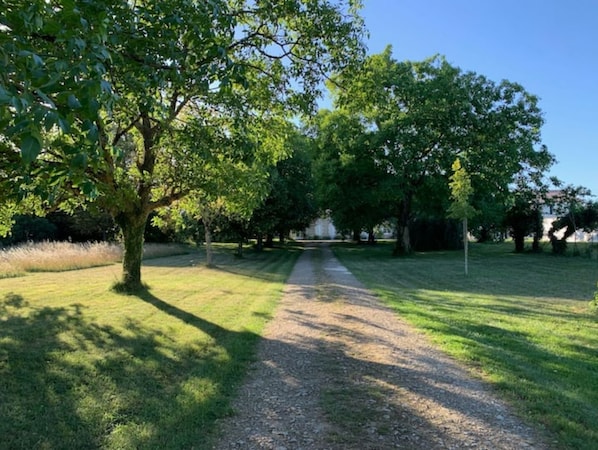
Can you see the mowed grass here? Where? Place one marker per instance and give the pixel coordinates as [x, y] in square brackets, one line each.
[520, 321]
[82, 367]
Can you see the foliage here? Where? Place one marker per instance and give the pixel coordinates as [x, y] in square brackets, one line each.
[30, 228]
[155, 93]
[53, 59]
[426, 114]
[434, 234]
[524, 213]
[575, 212]
[461, 191]
[290, 204]
[351, 184]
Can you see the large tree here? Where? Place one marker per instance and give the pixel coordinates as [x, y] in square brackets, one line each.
[172, 84]
[351, 182]
[426, 114]
[290, 204]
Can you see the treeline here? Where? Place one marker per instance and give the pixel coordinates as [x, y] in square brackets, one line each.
[175, 113]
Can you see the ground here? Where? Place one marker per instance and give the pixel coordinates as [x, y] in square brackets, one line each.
[337, 369]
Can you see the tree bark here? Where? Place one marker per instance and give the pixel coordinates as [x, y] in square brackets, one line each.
[133, 229]
[259, 243]
[371, 237]
[208, 239]
[269, 240]
[466, 246]
[519, 238]
[403, 244]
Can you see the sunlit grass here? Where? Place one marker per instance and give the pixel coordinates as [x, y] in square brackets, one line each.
[60, 256]
[83, 367]
[521, 321]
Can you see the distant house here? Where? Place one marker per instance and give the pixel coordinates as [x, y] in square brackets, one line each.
[551, 211]
[321, 228]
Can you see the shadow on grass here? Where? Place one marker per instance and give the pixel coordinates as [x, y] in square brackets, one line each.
[253, 264]
[66, 382]
[506, 318]
[493, 270]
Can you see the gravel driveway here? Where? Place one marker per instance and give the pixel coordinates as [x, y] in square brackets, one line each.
[337, 369]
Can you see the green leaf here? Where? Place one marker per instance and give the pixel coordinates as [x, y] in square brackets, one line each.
[79, 161]
[73, 102]
[30, 148]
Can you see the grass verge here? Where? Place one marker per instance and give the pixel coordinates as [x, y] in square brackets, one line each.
[82, 367]
[521, 321]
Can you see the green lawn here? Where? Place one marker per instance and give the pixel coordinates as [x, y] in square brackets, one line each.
[82, 367]
[521, 321]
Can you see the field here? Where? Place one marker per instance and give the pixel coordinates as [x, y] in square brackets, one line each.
[82, 367]
[60, 256]
[520, 321]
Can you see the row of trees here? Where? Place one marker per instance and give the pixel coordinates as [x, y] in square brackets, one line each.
[186, 111]
[388, 147]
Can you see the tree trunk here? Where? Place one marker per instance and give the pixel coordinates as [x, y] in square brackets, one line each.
[519, 238]
[281, 237]
[371, 237]
[357, 236]
[133, 229]
[269, 240]
[208, 239]
[536, 243]
[466, 245]
[259, 244]
[403, 244]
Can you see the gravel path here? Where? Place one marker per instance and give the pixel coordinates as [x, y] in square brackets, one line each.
[338, 370]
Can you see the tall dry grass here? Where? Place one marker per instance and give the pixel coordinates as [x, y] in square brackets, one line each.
[61, 256]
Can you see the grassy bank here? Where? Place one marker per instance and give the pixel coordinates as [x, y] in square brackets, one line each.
[82, 367]
[520, 321]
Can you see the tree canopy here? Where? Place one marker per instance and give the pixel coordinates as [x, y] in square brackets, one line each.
[351, 183]
[426, 114]
[129, 104]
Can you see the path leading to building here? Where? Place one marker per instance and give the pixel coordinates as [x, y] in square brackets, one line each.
[338, 370]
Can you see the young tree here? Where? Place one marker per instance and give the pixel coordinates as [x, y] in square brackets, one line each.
[232, 62]
[460, 208]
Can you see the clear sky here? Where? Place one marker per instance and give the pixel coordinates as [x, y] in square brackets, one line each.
[550, 47]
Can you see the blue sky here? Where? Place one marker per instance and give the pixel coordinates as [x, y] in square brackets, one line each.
[549, 47]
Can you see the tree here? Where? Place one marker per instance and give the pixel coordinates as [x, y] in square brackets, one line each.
[290, 204]
[426, 114]
[575, 212]
[523, 215]
[191, 80]
[53, 58]
[351, 183]
[460, 208]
